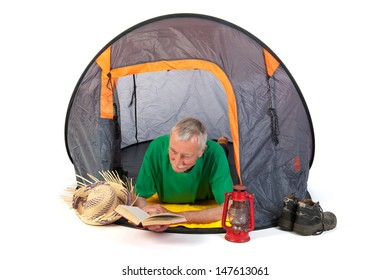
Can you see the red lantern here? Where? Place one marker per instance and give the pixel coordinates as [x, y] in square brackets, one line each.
[240, 214]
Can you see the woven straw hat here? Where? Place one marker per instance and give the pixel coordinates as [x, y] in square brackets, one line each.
[95, 203]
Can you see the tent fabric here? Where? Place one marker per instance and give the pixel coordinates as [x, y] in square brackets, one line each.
[190, 65]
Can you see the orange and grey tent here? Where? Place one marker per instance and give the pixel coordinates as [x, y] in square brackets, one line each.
[166, 68]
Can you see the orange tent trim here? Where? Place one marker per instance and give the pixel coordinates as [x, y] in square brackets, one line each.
[270, 62]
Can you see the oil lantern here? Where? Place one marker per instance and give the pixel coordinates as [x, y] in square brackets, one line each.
[240, 214]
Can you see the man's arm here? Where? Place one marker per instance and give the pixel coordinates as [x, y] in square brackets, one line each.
[203, 216]
[194, 217]
[197, 217]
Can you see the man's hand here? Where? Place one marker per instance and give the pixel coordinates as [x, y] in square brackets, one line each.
[152, 209]
[157, 228]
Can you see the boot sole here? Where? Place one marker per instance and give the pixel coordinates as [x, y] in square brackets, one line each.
[309, 230]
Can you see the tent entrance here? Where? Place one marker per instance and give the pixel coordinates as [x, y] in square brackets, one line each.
[149, 104]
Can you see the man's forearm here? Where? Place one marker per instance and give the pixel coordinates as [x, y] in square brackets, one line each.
[204, 216]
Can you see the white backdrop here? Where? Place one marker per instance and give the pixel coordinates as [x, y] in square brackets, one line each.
[337, 52]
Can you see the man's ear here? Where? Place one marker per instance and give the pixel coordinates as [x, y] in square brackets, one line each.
[202, 151]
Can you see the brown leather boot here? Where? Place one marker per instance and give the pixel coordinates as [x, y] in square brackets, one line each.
[311, 220]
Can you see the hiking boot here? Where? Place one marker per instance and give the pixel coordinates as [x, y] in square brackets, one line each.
[311, 220]
[287, 218]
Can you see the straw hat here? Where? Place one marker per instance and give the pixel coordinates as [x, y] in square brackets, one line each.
[95, 203]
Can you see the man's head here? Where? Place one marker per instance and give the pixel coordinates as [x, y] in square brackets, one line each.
[187, 143]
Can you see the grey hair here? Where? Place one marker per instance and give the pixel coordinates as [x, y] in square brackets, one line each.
[190, 127]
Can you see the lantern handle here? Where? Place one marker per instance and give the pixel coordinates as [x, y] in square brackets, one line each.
[252, 211]
[225, 209]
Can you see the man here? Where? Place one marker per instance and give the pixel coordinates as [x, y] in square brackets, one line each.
[184, 167]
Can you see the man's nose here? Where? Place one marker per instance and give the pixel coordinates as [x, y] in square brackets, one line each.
[178, 160]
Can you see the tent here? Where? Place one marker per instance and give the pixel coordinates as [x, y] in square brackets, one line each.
[166, 68]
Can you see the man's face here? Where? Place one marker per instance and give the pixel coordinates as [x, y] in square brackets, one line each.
[183, 154]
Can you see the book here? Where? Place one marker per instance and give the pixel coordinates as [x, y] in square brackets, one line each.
[139, 217]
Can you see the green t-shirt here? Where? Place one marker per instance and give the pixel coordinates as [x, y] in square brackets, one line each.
[209, 178]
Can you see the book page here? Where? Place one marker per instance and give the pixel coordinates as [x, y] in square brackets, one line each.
[131, 213]
[141, 214]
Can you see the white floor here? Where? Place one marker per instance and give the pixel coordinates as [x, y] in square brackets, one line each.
[49, 239]
[337, 53]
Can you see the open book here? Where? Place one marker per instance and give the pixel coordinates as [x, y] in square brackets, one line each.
[141, 218]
